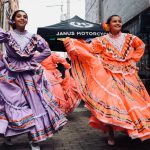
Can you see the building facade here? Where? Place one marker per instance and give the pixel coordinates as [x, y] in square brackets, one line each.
[127, 9]
[92, 10]
[7, 8]
[136, 19]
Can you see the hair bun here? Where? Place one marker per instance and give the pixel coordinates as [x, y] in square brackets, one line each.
[105, 26]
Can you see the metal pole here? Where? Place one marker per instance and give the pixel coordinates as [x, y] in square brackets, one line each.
[68, 9]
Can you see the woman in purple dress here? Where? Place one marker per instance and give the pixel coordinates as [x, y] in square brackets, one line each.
[26, 103]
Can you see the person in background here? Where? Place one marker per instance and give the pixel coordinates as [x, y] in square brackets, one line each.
[67, 97]
[26, 103]
[107, 77]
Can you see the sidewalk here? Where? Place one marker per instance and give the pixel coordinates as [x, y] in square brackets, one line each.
[78, 135]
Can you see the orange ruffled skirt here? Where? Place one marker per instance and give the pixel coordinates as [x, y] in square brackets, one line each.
[64, 90]
[113, 99]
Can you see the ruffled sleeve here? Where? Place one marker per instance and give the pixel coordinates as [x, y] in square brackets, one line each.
[43, 48]
[75, 47]
[139, 47]
[3, 35]
[96, 45]
[56, 58]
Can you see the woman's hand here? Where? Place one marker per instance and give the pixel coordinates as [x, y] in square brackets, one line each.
[1, 56]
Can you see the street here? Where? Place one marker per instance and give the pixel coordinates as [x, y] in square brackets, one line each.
[77, 135]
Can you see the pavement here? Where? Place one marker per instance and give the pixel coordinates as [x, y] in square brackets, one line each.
[78, 135]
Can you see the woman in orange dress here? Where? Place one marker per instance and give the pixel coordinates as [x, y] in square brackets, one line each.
[64, 90]
[108, 81]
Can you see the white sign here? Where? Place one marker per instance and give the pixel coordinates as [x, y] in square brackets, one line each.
[80, 33]
[81, 24]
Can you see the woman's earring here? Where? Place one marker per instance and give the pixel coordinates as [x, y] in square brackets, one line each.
[11, 22]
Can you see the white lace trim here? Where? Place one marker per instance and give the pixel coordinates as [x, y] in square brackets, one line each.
[106, 90]
[140, 108]
[35, 117]
[119, 42]
[122, 126]
[137, 136]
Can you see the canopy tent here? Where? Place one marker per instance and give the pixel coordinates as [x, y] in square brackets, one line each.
[75, 27]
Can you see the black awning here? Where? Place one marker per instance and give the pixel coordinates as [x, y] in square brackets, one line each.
[75, 27]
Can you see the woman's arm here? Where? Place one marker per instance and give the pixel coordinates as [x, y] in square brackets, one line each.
[139, 48]
[3, 35]
[43, 48]
[96, 45]
[58, 59]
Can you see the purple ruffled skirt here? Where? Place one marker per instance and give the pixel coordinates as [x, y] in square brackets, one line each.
[27, 105]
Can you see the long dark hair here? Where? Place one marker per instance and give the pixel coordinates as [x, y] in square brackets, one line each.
[109, 19]
[11, 22]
